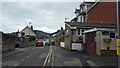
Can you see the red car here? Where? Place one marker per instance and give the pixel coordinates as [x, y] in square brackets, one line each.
[39, 43]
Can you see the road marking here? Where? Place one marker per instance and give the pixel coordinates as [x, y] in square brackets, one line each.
[16, 64]
[50, 56]
[23, 59]
[91, 63]
[47, 58]
[30, 54]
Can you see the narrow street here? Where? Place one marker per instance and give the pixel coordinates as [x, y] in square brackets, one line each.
[48, 56]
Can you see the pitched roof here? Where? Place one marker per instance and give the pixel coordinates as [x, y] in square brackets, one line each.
[25, 28]
[97, 1]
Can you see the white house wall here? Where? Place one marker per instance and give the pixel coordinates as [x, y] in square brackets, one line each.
[98, 42]
[28, 31]
[102, 44]
[77, 46]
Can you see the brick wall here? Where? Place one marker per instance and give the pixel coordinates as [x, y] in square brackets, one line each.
[90, 44]
[103, 12]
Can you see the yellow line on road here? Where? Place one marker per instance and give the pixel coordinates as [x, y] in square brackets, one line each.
[47, 58]
[50, 56]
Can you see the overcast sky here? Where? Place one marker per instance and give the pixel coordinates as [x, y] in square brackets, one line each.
[45, 16]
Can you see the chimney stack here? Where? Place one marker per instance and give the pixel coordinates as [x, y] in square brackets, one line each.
[32, 27]
[61, 28]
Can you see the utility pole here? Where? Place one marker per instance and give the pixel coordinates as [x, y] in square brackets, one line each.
[118, 26]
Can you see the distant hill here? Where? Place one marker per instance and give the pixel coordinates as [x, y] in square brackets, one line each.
[40, 34]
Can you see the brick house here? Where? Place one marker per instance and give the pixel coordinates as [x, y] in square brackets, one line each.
[98, 40]
[74, 40]
[92, 22]
[102, 12]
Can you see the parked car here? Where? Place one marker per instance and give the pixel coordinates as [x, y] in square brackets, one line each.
[39, 43]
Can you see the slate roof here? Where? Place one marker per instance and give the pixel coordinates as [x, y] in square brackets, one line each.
[91, 25]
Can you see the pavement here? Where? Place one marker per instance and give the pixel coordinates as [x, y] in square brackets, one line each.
[17, 50]
[105, 60]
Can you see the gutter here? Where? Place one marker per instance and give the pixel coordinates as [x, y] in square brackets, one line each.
[99, 29]
[70, 26]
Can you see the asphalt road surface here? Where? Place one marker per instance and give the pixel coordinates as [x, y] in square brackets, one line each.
[47, 56]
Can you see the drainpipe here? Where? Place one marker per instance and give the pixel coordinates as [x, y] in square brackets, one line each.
[118, 26]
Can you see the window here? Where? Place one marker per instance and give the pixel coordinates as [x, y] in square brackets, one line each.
[88, 6]
[78, 32]
[81, 19]
[105, 33]
[112, 35]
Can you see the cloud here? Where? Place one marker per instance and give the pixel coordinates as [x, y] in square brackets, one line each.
[46, 29]
[42, 0]
[47, 15]
[55, 0]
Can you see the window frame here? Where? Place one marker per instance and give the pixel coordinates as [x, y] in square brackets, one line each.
[112, 35]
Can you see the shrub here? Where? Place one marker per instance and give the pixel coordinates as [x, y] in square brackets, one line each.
[31, 38]
[61, 38]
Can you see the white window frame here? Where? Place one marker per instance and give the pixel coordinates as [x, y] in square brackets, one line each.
[82, 19]
[80, 32]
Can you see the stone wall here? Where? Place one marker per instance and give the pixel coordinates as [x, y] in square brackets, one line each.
[24, 42]
[68, 38]
[8, 42]
[0, 42]
[32, 43]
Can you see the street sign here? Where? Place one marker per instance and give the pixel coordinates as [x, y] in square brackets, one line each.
[118, 50]
[118, 46]
[118, 27]
[118, 42]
